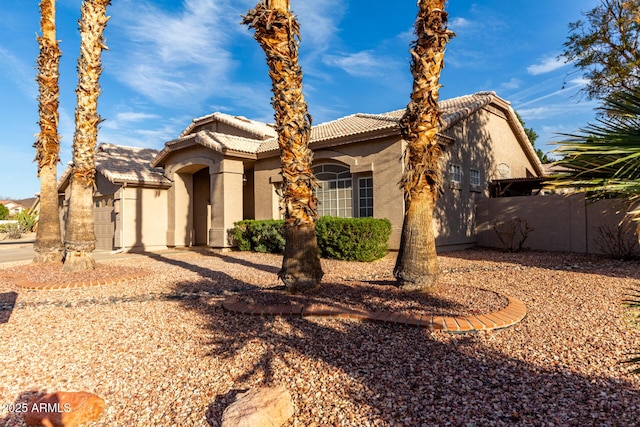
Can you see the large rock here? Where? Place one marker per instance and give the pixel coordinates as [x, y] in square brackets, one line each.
[64, 409]
[263, 407]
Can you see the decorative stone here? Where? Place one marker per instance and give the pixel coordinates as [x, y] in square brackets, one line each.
[263, 407]
[64, 409]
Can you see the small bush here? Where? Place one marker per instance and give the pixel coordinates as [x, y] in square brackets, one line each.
[353, 239]
[259, 236]
[618, 242]
[513, 233]
[26, 221]
[4, 212]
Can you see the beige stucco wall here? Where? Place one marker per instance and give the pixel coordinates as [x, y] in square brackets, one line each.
[190, 210]
[561, 223]
[379, 158]
[141, 217]
[481, 142]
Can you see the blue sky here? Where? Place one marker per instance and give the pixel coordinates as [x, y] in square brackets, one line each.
[170, 61]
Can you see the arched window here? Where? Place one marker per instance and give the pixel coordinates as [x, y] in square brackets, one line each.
[335, 194]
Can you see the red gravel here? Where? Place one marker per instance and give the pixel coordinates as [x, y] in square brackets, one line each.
[162, 351]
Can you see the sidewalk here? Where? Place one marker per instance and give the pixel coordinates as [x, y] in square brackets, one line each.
[20, 252]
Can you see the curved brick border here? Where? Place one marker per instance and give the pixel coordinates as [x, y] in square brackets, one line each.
[509, 316]
[25, 284]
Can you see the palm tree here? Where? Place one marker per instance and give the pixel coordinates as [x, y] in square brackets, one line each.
[277, 31]
[80, 239]
[417, 263]
[48, 245]
[603, 160]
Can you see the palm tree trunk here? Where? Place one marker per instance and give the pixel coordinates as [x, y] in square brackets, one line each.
[277, 31]
[417, 263]
[80, 239]
[48, 244]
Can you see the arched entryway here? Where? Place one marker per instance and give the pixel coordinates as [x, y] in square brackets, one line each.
[190, 201]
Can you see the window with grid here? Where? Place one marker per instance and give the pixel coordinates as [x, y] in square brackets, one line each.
[335, 194]
[474, 177]
[365, 197]
[455, 173]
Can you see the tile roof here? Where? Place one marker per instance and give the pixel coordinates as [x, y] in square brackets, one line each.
[260, 130]
[132, 165]
[136, 165]
[221, 141]
[453, 111]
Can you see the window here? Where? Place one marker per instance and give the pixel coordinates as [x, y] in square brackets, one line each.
[455, 174]
[365, 197]
[335, 195]
[474, 177]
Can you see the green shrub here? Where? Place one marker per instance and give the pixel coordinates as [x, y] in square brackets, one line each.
[259, 236]
[352, 239]
[4, 212]
[26, 221]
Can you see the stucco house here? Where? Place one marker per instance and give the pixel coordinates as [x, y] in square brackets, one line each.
[13, 207]
[223, 168]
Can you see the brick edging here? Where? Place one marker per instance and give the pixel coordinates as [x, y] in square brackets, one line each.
[22, 282]
[513, 313]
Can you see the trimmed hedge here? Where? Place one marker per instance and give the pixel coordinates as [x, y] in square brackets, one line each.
[351, 239]
[259, 236]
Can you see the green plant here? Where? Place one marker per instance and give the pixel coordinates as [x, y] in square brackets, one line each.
[26, 221]
[4, 212]
[259, 236]
[353, 239]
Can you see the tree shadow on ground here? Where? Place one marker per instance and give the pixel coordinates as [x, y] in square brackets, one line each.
[563, 261]
[7, 303]
[16, 410]
[394, 375]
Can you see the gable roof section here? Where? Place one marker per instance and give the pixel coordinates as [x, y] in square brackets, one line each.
[220, 142]
[121, 164]
[349, 129]
[258, 129]
[354, 126]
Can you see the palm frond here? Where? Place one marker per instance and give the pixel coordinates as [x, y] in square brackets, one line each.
[603, 159]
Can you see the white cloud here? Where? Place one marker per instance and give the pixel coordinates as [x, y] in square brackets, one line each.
[22, 75]
[319, 21]
[513, 83]
[171, 56]
[459, 23]
[547, 65]
[359, 64]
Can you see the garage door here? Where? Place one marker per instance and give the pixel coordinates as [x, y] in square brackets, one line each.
[104, 220]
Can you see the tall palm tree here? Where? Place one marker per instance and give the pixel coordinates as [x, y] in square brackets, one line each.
[80, 239]
[48, 245]
[278, 32]
[417, 263]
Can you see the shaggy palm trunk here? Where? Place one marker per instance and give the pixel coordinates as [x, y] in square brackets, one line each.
[80, 239]
[48, 245]
[277, 31]
[417, 263]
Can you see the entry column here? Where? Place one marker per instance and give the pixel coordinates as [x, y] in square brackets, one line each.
[226, 200]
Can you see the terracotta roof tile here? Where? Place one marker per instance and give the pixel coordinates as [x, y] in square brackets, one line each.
[260, 129]
[453, 111]
[129, 164]
[220, 141]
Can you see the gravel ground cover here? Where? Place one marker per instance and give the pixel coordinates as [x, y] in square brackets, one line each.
[161, 350]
